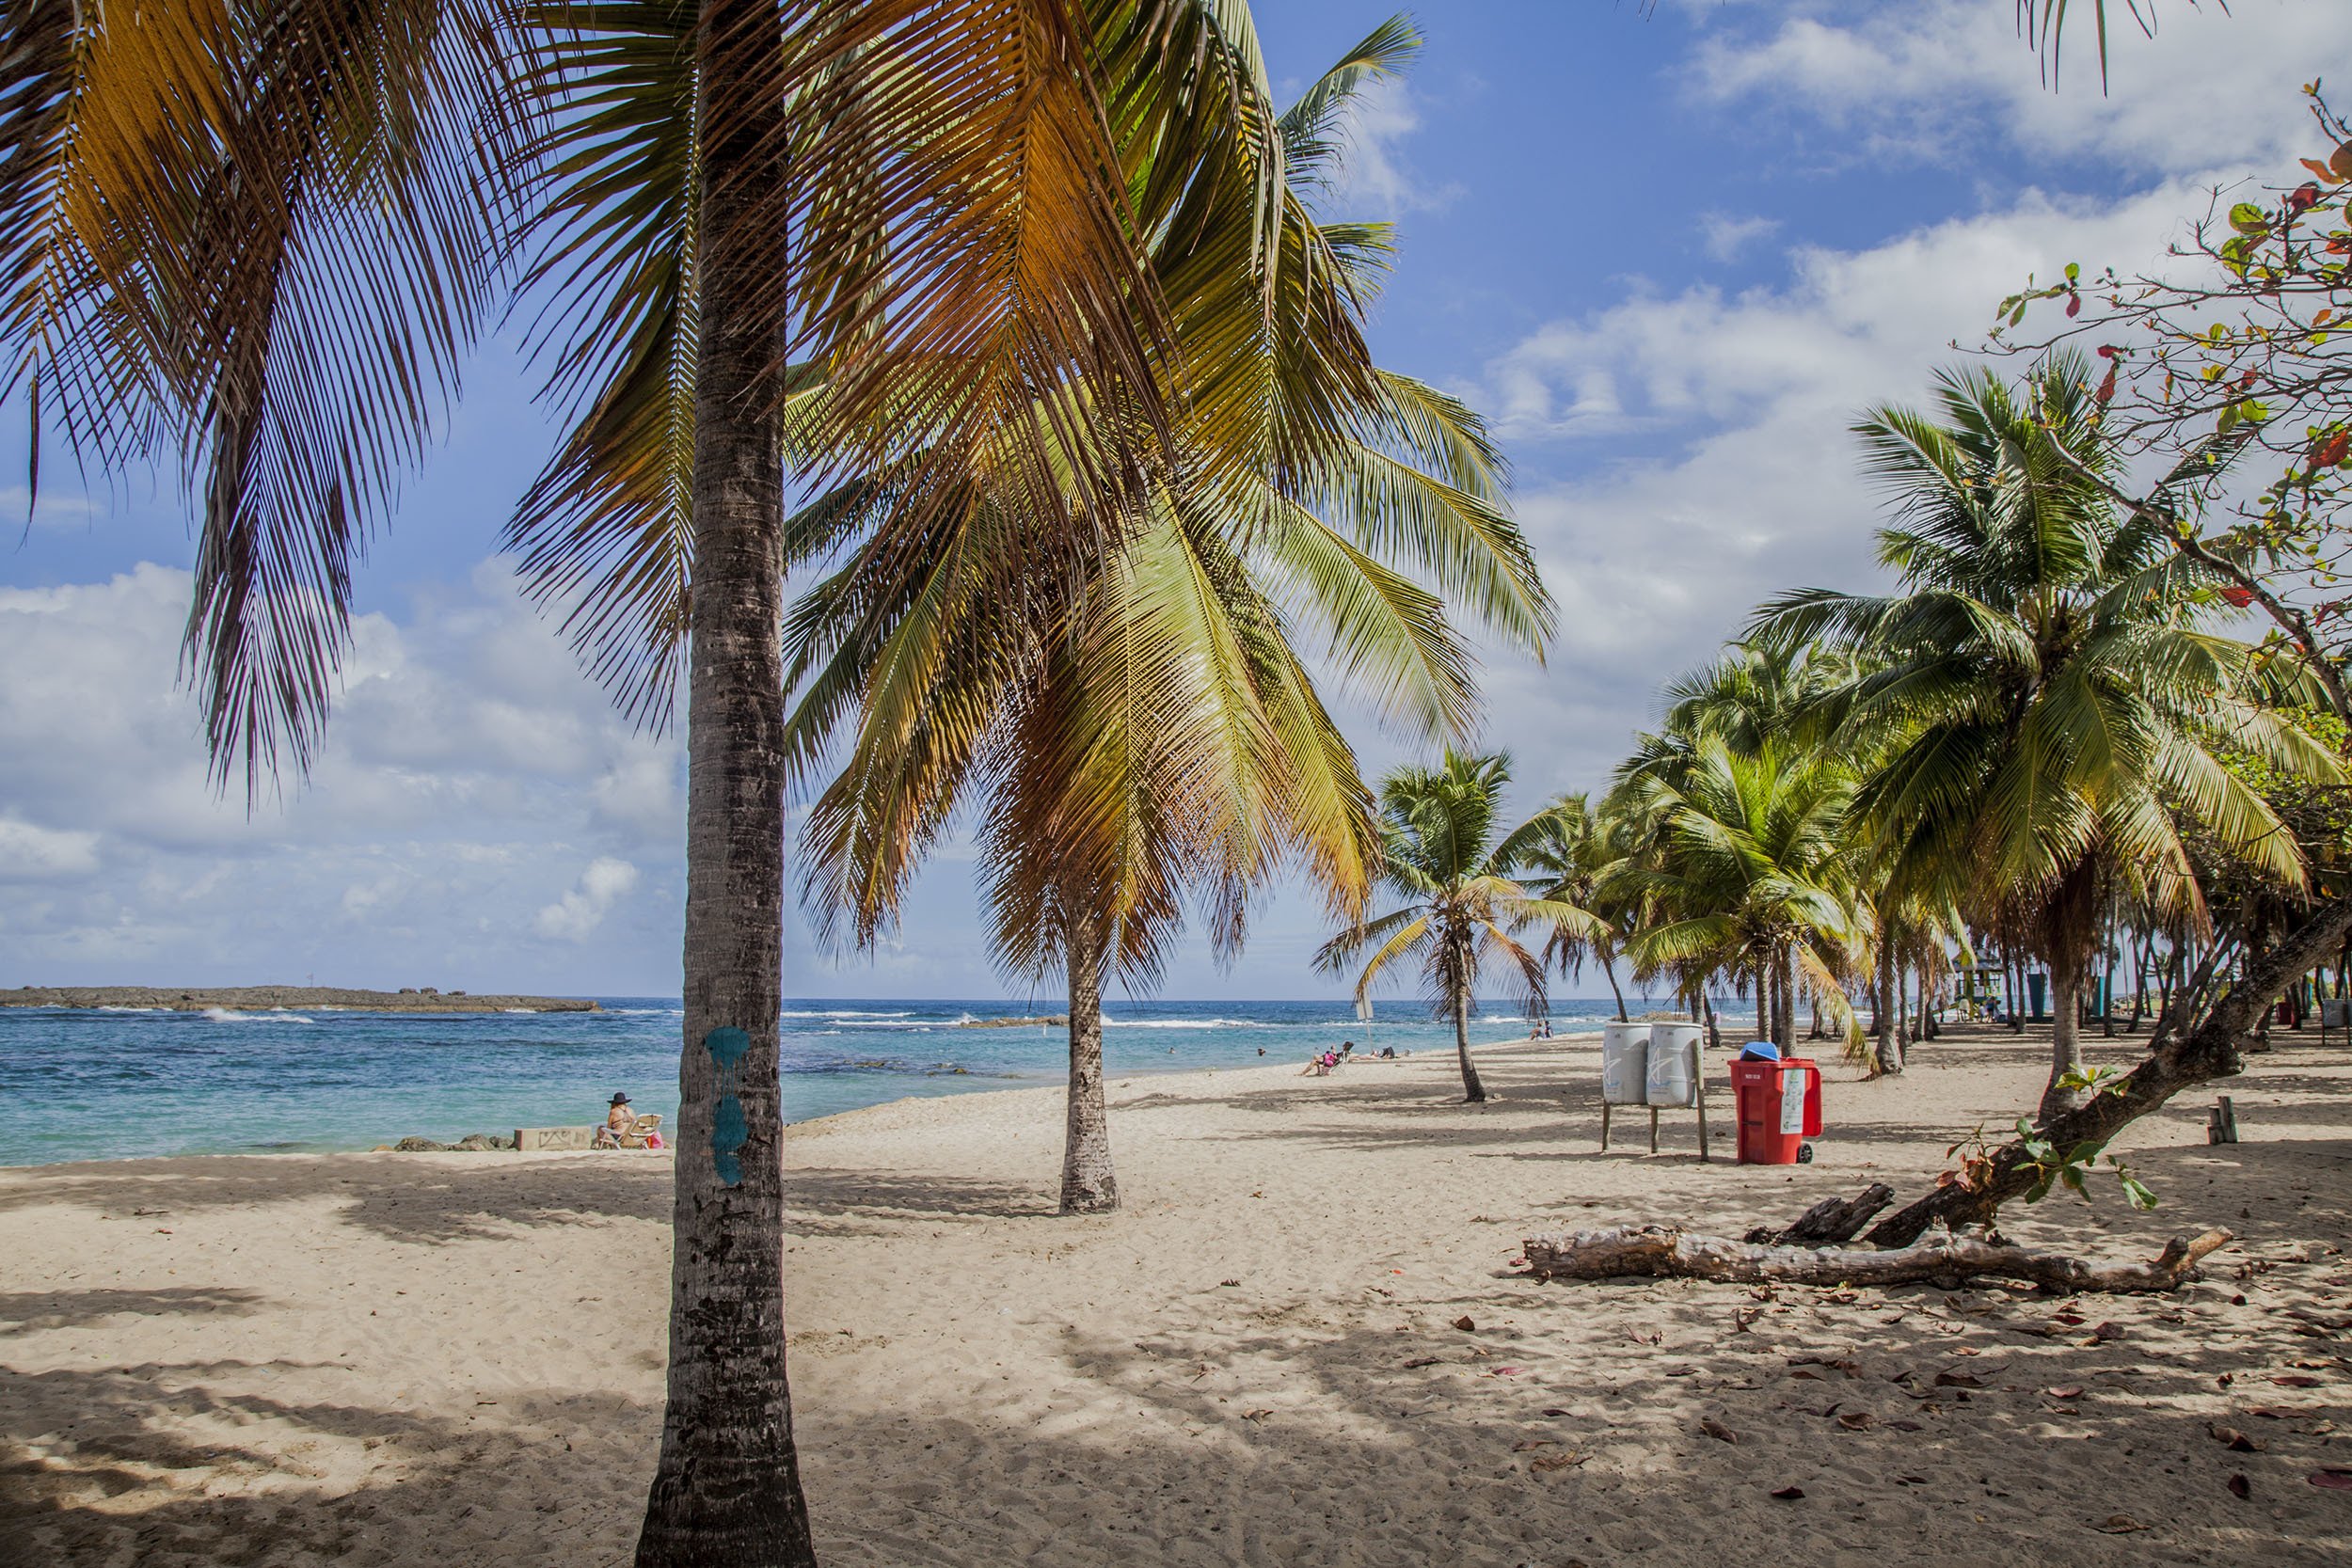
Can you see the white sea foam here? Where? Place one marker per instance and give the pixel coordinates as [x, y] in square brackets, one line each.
[104, 1009]
[1184, 1023]
[842, 1013]
[275, 1015]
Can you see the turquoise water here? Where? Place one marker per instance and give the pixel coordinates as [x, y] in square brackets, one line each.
[118, 1084]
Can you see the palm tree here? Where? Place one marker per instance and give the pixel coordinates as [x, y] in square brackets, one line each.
[258, 236]
[1579, 848]
[1754, 873]
[1440, 852]
[1747, 696]
[2041, 704]
[1157, 736]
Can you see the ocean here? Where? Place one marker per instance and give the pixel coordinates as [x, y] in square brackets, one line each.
[112, 1084]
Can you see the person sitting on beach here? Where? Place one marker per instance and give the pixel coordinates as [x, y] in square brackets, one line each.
[618, 1121]
[1388, 1052]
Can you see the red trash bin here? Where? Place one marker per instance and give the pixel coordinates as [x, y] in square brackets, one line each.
[1780, 1106]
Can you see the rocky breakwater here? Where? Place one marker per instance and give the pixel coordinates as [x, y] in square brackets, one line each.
[293, 998]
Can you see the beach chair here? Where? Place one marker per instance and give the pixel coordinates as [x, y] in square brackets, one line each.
[638, 1135]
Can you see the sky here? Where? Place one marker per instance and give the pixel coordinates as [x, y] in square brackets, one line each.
[1670, 254]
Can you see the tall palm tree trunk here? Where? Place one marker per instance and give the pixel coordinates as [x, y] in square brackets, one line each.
[1088, 1185]
[726, 1492]
[1472, 1090]
[1785, 1001]
[1763, 1000]
[2066, 1046]
[1609, 968]
[1887, 1005]
[2106, 991]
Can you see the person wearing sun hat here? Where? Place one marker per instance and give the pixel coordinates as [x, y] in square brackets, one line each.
[620, 1120]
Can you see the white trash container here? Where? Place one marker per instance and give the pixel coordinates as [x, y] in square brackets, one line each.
[1673, 1076]
[1625, 1064]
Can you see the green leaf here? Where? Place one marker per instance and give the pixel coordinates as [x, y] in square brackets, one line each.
[2248, 218]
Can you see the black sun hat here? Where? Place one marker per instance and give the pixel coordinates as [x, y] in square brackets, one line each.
[620, 1100]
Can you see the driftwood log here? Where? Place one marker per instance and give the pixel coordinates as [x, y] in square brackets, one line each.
[1833, 1219]
[1939, 1258]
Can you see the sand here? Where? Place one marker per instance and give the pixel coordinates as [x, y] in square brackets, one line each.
[457, 1358]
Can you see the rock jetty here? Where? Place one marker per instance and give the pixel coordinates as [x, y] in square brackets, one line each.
[294, 998]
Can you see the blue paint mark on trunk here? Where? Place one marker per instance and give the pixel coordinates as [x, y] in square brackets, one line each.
[729, 1129]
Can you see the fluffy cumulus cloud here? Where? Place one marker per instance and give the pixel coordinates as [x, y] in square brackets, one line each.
[576, 916]
[469, 774]
[1376, 177]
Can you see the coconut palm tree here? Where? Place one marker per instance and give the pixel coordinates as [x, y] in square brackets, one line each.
[258, 237]
[2041, 700]
[1158, 738]
[1747, 696]
[1443, 851]
[1754, 873]
[1578, 850]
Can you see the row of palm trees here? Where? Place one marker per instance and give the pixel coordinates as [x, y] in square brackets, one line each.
[2037, 735]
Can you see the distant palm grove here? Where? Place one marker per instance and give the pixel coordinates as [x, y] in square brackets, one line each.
[2040, 753]
[1021, 337]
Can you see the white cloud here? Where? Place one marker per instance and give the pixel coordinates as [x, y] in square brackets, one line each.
[28, 852]
[58, 510]
[1935, 82]
[1726, 236]
[1375, 179]
[576, 916]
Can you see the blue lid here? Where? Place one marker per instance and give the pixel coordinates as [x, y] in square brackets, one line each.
[1759, 1050]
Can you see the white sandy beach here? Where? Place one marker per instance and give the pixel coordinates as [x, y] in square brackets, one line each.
[457, 1358]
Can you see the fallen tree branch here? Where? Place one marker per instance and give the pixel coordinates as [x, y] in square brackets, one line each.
[1662, 1251]
[1833, 1219]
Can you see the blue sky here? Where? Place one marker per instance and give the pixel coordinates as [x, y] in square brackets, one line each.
[1670, 256]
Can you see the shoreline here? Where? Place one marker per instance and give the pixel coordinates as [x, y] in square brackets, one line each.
[1044, 1084]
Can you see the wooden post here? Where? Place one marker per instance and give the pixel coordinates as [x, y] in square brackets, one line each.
[1699, 1081]
[1653, 1130]
[2225, 1116]
[1604, 1125]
